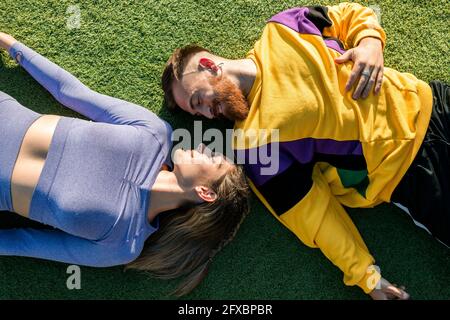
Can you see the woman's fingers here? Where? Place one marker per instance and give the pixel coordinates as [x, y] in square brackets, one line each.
[6, 41]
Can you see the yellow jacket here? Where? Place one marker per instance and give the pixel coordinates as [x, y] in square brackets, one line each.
[332, 150]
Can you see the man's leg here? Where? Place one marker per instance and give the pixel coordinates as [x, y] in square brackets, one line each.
[424, 191]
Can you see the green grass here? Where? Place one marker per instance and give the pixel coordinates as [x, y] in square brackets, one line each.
[120, 50]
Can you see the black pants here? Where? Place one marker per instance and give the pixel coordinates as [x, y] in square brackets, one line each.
[425, 188]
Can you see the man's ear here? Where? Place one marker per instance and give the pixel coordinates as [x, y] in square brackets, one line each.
[206, 63]
[205, 193]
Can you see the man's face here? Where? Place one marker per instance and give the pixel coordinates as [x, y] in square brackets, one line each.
[201, 93]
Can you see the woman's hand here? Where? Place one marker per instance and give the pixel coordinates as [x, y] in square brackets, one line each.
[389, 291]
[6, 41]
[368, 67]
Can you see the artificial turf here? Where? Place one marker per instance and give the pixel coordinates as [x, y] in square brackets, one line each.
[120, 50]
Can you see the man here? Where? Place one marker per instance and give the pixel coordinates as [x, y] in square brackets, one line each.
[354, 134]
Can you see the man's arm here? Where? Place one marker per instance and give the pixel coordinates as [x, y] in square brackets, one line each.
[320, 221]
[352, 22]
[358, 28]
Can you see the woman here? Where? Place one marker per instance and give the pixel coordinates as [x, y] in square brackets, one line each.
[103, 185]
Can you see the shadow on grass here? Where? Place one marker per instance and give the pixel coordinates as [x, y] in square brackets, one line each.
[21, 86]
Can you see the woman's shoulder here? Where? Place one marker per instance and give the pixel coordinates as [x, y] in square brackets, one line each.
[160, 130]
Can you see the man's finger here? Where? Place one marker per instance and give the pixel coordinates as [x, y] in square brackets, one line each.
[379, 81]
[357, 68]
[400, 294]
[370, 84]
[363, 80]
[345, 57]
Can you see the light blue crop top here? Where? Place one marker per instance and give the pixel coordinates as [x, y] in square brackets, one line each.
[96, 181]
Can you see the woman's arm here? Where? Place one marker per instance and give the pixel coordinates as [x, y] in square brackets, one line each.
[70, 92]
[57, 245]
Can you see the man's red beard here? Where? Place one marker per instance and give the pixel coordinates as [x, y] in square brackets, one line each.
[234, 104]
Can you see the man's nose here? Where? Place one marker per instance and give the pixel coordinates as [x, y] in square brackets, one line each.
[206, 111]
[209, 114]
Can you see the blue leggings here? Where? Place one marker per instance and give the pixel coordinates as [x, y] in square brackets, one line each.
[15, 120]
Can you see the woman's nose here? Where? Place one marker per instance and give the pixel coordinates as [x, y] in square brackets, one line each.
[201, 147]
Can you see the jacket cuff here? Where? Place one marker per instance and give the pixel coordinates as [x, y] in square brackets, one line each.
[373, 33]
[370, 279]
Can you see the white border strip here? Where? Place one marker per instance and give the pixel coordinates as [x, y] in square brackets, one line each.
[416, 222]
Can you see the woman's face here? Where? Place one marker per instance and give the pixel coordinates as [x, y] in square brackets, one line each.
[199, 167]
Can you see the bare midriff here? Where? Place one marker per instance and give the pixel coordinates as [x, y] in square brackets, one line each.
[30, 162]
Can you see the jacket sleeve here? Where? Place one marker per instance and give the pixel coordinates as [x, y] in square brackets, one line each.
[320, 221]
[57, 245]
[351, 22]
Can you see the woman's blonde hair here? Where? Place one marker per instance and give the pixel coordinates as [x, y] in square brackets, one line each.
[189, 238]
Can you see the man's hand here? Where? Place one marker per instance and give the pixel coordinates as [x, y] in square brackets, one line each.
[6, 41]
[367, 67]
[389, 291]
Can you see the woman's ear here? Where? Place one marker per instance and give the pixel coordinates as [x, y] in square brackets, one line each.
[206, 194]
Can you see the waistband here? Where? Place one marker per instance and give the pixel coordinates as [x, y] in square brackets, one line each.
[39, 206]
